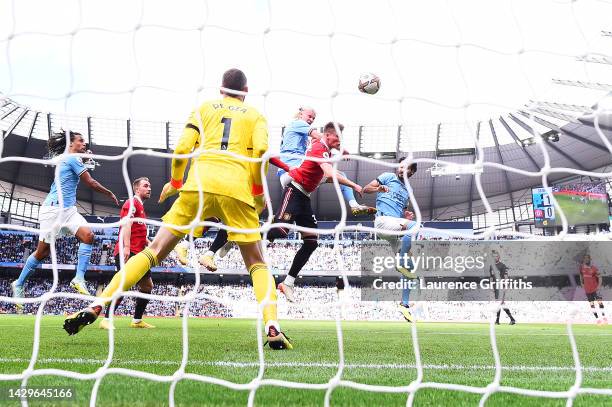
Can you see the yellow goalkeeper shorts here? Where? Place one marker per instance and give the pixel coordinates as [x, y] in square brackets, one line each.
[231, 211]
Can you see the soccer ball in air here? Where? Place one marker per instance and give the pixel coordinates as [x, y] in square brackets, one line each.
[369, 83]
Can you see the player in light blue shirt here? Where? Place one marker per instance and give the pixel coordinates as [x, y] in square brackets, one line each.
[295, 141]
[295, 138]
[70, 172]
[61, 218]
[391, 202]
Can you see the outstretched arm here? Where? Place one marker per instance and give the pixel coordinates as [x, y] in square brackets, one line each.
[277, 162]
[188, 141]
[127, 237]
[96, 186]
[330, 172]
[375, 186]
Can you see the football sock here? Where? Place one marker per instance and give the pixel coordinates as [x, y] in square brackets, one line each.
[117, 303]
[405, 248]
[264, 287]
[141, 304]
[507, 311]
[84, 255]
[30, 265]
[302, 255]
[347, 192]
[593, 310]
[405, 291]
[134, 269]
[289, 280]
[601, 309]
[219, 242]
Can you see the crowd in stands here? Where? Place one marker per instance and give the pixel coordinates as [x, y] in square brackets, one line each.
[201, 307]
[19, 246]
[16, 247]
[591, 187]
[313, 303]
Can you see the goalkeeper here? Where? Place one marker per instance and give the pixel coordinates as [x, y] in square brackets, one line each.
[232, 191]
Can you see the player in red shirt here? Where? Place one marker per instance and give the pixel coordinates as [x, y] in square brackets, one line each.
[591, 281]
[295, 204]
[134, 237]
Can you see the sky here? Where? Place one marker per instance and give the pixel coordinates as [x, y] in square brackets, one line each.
[439, 61]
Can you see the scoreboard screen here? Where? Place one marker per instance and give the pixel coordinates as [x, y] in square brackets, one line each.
[543, 208]
[583, 203]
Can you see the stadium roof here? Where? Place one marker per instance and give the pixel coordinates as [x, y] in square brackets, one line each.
[567, 133]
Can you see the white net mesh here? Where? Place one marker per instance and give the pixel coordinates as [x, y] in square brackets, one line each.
[438, 61]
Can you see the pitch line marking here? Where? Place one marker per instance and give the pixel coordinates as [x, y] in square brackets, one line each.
[331, 365]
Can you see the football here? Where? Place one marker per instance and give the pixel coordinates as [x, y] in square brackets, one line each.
[369, 83]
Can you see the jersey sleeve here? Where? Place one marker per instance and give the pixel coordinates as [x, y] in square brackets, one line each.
[186, 143]
[278, 163]
[384, 178]
[260, 146]
[76, 165]
[302, 128]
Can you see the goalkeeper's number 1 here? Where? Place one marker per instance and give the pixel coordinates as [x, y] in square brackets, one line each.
[227, 125]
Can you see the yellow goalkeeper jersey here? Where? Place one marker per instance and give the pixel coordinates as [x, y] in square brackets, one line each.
[226, 124]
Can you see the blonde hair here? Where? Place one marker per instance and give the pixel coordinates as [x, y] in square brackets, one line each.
[301, 109]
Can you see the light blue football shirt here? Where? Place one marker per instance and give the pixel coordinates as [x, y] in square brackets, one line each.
[70, 172]
[391, 203]
[295, 141]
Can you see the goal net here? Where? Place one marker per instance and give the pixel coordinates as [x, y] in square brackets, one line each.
[490, 99]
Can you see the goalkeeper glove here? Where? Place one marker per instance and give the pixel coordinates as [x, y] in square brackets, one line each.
[171, 188]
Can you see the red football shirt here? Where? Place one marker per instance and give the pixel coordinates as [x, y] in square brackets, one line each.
[590, 276]
[138, 239]
[310, 173]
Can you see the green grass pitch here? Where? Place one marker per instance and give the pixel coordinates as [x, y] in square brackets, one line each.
[577, 213]
[534, 356]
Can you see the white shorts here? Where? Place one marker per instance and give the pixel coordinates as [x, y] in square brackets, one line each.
[392, 224]
[56, 222]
